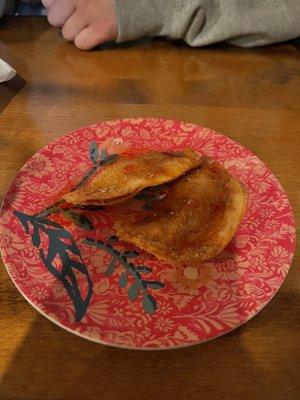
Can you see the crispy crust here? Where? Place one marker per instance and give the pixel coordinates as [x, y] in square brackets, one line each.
[194, 222]
[127, 176]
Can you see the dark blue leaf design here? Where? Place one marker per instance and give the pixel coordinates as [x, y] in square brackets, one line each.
[94, 152]
[36, 240]
[111, 267]
[123, 279]
[86, 177]
[57, 248]
[154, 284]
[23, 219]
[144, 269]
[110, 159]
[140, 285]
[50, 210]
[133, 291]
[104, 155]
[149, 304]
[113, 239]
[80, 220]
[63, 252]
[131, 254]
[85, 223]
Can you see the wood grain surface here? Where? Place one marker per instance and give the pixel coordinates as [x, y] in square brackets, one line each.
[250, 95]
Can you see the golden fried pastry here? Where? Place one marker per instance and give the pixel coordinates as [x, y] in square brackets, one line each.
[129, 175]
[194, 222]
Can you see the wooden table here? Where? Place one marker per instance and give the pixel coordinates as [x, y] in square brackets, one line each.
[250, 95]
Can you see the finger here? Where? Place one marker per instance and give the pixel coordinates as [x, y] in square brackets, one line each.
[48, 3]
[60, 11]
[74, 25]
[91, 37]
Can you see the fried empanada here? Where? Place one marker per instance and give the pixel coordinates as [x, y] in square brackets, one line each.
[127, 176]
[194, 222]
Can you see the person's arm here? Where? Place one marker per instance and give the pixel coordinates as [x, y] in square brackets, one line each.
[246, 23]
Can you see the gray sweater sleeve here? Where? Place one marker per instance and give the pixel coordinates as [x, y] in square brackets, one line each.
[246, 23]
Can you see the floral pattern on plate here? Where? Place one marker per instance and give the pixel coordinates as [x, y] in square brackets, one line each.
[118, 307]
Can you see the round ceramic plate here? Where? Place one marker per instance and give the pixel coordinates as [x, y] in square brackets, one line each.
[72, 268]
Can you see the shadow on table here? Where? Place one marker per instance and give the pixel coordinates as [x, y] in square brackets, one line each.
[179, 43]
[53, 364]
[20, 29]
[9, 90]
[125, 45]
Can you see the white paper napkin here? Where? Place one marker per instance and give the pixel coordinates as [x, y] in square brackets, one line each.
[6, 71]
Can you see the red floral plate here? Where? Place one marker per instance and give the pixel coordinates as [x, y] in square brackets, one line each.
[72, 268]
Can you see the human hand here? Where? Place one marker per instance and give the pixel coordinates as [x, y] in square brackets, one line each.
[87, 23]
